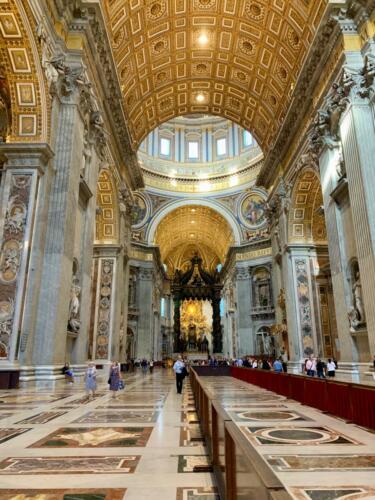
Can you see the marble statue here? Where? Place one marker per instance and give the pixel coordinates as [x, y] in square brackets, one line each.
[74, 305]
[358, 298]
[353, 317]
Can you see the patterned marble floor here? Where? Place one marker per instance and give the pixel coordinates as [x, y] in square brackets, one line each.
[55, 444]
[316, 456]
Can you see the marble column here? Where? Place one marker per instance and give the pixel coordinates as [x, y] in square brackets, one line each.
[329, 162]
[244, 323]
[145, 319]
[23, 204]
[50, 337]
[357, 131]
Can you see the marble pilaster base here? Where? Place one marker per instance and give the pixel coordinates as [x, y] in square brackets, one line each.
[295, 366]
[47, 373]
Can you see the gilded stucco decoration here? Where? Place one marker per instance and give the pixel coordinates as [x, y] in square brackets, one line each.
[20, 66]
[189, 229]
[306, 216]
[107, 212]
[235, 58]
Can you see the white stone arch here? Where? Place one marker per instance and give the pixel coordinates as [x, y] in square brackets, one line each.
[217, 207]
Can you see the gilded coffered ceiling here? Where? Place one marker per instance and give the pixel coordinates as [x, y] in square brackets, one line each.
[193, 227]
[235, 58]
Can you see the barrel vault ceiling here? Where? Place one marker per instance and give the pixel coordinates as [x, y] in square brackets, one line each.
[193, 226]
[235, 58]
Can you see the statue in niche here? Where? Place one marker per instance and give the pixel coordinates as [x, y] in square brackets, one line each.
[353, 317]
[267, 344]
[358, 299]
[74, 323]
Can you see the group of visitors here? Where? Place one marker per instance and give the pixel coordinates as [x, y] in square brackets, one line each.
[115, 381]
[316, 366]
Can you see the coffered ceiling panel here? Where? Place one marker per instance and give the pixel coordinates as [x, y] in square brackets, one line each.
[234, 58]
[193, 226]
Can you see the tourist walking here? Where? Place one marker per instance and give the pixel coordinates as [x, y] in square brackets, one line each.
[151, 366]
[277, 366]
[180, 370]
[68, 372]
[90, 380]
[331, 368]
[320, 367]
[311, 367]
[114, 378]
[144, 366]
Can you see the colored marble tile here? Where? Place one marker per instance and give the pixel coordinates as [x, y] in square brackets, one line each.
[196, 493]
[194, 463]
[37, 399]
[3, 416]
[7, 434]
[105, 417]
[69, 465]
[190, 417]
[300, 436]
[42, 418]
[294, 463]
[330, 493]
[96, 437]
[191, 436]
[267, 415]
[71, 494]
[129, 407]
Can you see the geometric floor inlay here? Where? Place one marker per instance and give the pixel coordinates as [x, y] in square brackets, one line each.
[103, 417]
[194, 463]
[271, 415]
[291, 463]
[70, 494]
[306, 436]
[69, 465]
[191, 436]
[197, 494]
[7, 434]
[347, 493]
[95, 437]
[42, 418]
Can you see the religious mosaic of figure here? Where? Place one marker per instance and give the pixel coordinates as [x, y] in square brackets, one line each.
[139, 210]
[253, 210]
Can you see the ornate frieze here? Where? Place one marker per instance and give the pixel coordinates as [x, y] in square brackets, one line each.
[104, 308]
[13, 241]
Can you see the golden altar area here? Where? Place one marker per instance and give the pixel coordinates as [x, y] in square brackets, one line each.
[196, 324]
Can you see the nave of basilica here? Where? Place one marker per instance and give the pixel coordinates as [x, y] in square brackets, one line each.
[194, 178]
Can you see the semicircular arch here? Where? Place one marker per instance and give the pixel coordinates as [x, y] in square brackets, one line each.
[21, 66]
[214, 205]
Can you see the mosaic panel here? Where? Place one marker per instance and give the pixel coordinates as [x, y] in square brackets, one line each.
[300, 436]
[295, 463]
[70, 494]
[274, 415]
[95, 437]
[69, 465]
[103, 417]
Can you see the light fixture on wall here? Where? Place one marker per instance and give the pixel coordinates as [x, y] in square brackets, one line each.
[200, 98]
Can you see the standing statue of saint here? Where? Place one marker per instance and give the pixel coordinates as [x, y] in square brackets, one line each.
[358, 298]
[74, 321]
